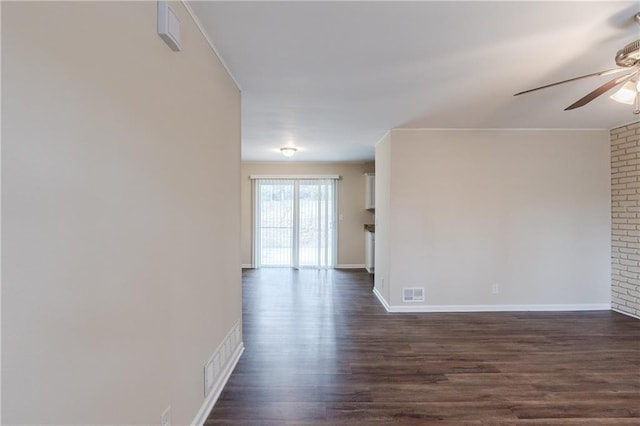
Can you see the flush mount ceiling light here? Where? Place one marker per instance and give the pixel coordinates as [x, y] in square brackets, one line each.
[288, 151]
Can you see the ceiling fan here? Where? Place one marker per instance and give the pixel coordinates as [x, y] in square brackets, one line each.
[628, 58]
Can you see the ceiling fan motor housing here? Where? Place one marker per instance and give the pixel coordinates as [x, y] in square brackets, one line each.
[629, 55]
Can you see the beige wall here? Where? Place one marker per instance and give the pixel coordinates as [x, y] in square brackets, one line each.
[625, 214]
[351, 204]
[120, 214]
[528, 210]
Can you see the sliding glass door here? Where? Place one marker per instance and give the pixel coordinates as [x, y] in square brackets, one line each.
[274, 219]
[295, 223]
[316, 219]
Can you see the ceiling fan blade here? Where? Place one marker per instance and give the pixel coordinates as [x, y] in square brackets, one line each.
[595, 74]
[600, 90]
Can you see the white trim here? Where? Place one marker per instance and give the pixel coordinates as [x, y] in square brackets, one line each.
[336, 226]
[185, 3]
[497, 129]
[248, 266]
[218, 386]
[501, 308]
[381, 299]
[294, 177]
[350, 266]
[625, 313]
[387, 133]
[306, 163]
[493, 308]
[255, 225]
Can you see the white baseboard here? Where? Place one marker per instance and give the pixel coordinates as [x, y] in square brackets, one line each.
[341, 266]
[629, 314]
[350, 266]
[497, 308]
[381, 299]
[218, 386]
[493, 308]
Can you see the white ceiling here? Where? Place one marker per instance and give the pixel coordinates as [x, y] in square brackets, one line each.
[332, 77]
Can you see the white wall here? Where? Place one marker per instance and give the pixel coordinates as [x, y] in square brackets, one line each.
[351, 204]
[120, 214]
[528, 210]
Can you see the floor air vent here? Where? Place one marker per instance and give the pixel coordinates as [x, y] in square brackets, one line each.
[415, 294]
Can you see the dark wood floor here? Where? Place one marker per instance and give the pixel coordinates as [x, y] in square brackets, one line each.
[321, 350]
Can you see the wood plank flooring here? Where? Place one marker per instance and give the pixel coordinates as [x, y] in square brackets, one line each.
[320, 349]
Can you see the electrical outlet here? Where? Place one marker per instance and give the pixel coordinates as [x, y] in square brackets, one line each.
[165, 418]
[495, 288]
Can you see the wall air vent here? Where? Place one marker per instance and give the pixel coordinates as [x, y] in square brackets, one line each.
[414, 294]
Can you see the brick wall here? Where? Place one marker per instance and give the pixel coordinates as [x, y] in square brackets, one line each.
[625, 219]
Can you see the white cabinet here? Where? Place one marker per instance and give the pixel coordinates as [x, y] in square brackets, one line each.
[370, 191]
[370, 251]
